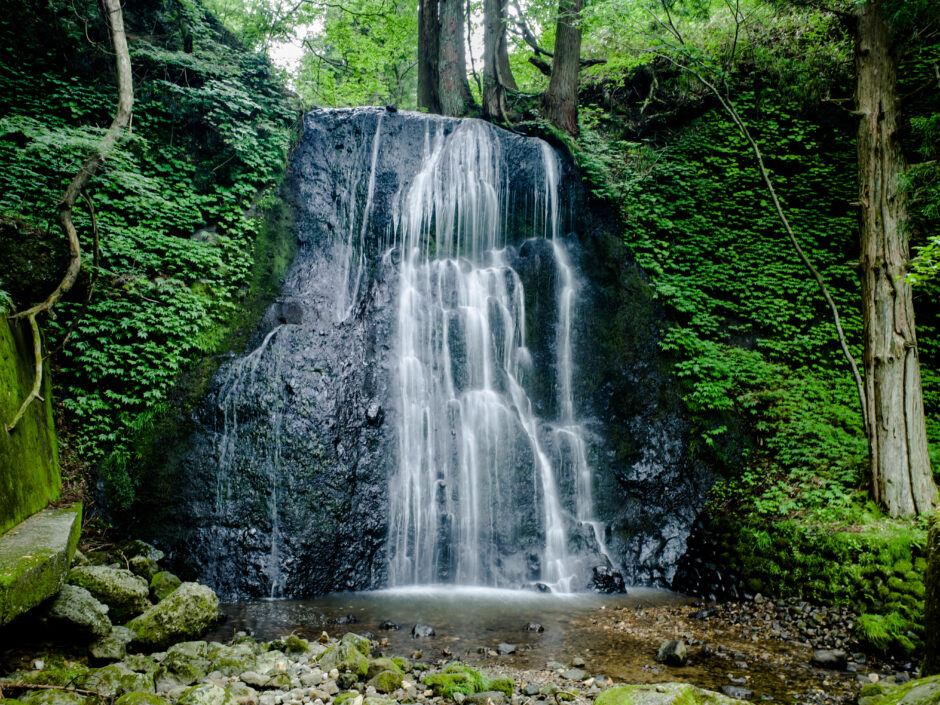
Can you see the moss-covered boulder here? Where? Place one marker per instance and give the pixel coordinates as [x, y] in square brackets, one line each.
[125, 593]
[925, 691]
[115, 680]
[206, 694]
[185, 614]
[59, 697]
[376, 666]
[144, 567]
[73, 611]
[360, 642]
[662, 694]
[141, 698]
[162, 584]
[234, 660]
[456, 678]
[387, 681]
[345, 657]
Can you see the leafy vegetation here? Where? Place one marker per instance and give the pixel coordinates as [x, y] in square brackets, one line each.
[178, 204]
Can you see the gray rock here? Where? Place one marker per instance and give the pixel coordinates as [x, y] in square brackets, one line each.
[422, 631]
[833, 659]
[672, 653]
[75, 610]
[255, 679]
[186, 613]
[575, 674]
[530, 689]
[113, 646]
[534, 627]
[736, 691]
[577, 662]
[122, 591]
[144, 567]
[206, 694]
[504, 649]
[487, 697]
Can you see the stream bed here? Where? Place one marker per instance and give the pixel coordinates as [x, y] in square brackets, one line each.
[617, 637]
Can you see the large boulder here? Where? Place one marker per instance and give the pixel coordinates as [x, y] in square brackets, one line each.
[206, 694]
[663, 694]
[185, 614]
[125, 593]
[74, 612]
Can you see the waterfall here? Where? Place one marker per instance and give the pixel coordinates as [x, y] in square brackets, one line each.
[468, 435]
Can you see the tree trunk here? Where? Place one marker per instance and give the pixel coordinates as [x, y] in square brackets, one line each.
[497, 76]
[429, 28]
[454, 90]
[897, 437]
[560, 101]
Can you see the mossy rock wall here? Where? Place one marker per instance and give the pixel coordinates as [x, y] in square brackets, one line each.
[29, 463]
[879, 572]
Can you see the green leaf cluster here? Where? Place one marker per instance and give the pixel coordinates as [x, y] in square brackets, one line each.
[179, 203]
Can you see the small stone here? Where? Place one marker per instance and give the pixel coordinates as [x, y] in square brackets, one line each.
[577, 662]
[388, 625]
[574, 674]
[530, 689]
[672, 653]
[422, 631]
[736, 691]
[504, 649]
[459, 697]
[534, 627]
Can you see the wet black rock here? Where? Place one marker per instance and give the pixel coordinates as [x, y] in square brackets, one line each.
[534, 627]
[388, 625]
[607, 580]
[422, 631]
[345, 619]
[833, 659]
[705, 613]
[259, 494]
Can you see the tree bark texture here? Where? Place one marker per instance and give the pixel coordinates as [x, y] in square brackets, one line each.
[429, 28]
[454, 89]
[560, 101]
[497, 76]
[897, 437]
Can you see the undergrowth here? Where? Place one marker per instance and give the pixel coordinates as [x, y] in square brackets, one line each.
[179, 203]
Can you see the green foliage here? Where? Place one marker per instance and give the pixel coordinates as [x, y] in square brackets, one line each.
[178, 202]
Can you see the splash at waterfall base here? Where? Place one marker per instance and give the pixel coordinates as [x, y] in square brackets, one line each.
[459, 383]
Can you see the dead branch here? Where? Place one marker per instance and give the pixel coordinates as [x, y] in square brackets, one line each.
[40, 686]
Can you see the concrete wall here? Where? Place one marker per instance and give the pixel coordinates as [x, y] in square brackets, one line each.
[29, 462]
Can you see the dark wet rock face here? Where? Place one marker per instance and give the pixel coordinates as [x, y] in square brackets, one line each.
[283, 487]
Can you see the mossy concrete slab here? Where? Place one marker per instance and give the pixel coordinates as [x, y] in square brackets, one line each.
[35, 557]
[29, 461]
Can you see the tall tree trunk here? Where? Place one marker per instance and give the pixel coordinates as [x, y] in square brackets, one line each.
[897, 437]
[429, 29]
[453, 87]
[497, 76]
[560, 101]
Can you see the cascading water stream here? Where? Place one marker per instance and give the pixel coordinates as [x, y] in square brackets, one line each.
[468, 428]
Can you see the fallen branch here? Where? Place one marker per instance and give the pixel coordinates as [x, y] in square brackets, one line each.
[39, 686]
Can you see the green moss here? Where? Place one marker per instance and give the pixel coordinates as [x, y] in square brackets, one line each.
[925, 691]
[29, 460]
[387, 681]
[503, 684]
[140, 698]
[456, 678]
[661, 694]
